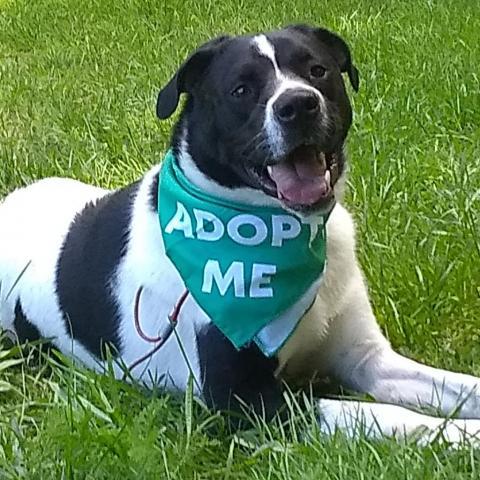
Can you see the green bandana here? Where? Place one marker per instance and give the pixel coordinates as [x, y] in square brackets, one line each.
[254, 270]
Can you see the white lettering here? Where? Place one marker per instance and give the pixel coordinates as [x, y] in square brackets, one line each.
[279, 230]
[180, 221]
[233, 229]
[261, 276]
[202, 216]
[314, 223]
[234, 274]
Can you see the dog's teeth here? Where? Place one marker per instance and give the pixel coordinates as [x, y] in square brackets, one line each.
[269, 170]
[322, 159]
[327, 177]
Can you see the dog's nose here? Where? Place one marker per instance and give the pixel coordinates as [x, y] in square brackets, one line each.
[296, 106]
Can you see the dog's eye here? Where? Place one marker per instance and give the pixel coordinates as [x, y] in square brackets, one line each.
[240, 91]
[317, 71]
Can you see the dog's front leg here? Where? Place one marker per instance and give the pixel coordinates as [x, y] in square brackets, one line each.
[361, 358]
[378, 420]
[390, 377]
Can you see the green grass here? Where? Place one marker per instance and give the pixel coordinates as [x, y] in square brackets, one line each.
[77, 89]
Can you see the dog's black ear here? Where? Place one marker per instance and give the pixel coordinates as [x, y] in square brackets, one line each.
[184, 80]
[338, 48]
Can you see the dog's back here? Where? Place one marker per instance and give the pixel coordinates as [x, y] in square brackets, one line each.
[33, 224]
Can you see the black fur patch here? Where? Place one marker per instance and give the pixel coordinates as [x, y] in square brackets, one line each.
[25, 330]
[228, 373]
[95, 245]
[153, 197]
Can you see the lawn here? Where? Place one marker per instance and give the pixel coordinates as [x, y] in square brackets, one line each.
[78, 81]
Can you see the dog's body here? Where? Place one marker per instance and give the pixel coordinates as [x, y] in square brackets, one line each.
[73, 257]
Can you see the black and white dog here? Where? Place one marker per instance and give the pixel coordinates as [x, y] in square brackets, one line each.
[264, 123]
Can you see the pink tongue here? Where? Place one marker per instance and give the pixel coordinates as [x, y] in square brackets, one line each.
[302, 182]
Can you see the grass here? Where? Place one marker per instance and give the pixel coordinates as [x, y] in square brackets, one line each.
[77, 89]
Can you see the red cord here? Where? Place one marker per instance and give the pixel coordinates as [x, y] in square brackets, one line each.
[136, 317]
[172, 317]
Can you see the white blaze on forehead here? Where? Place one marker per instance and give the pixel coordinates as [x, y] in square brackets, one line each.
[266, 49]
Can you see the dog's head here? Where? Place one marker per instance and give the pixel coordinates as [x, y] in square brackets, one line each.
[268, 112]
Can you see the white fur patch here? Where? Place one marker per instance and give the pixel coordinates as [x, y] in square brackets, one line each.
[266, 49]
[379, 420]
[146, 265]
[33, 223]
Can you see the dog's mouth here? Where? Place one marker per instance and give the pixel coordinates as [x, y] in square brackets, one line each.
[303, 180]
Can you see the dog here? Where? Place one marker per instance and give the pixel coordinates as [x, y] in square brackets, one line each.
[263, 128]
